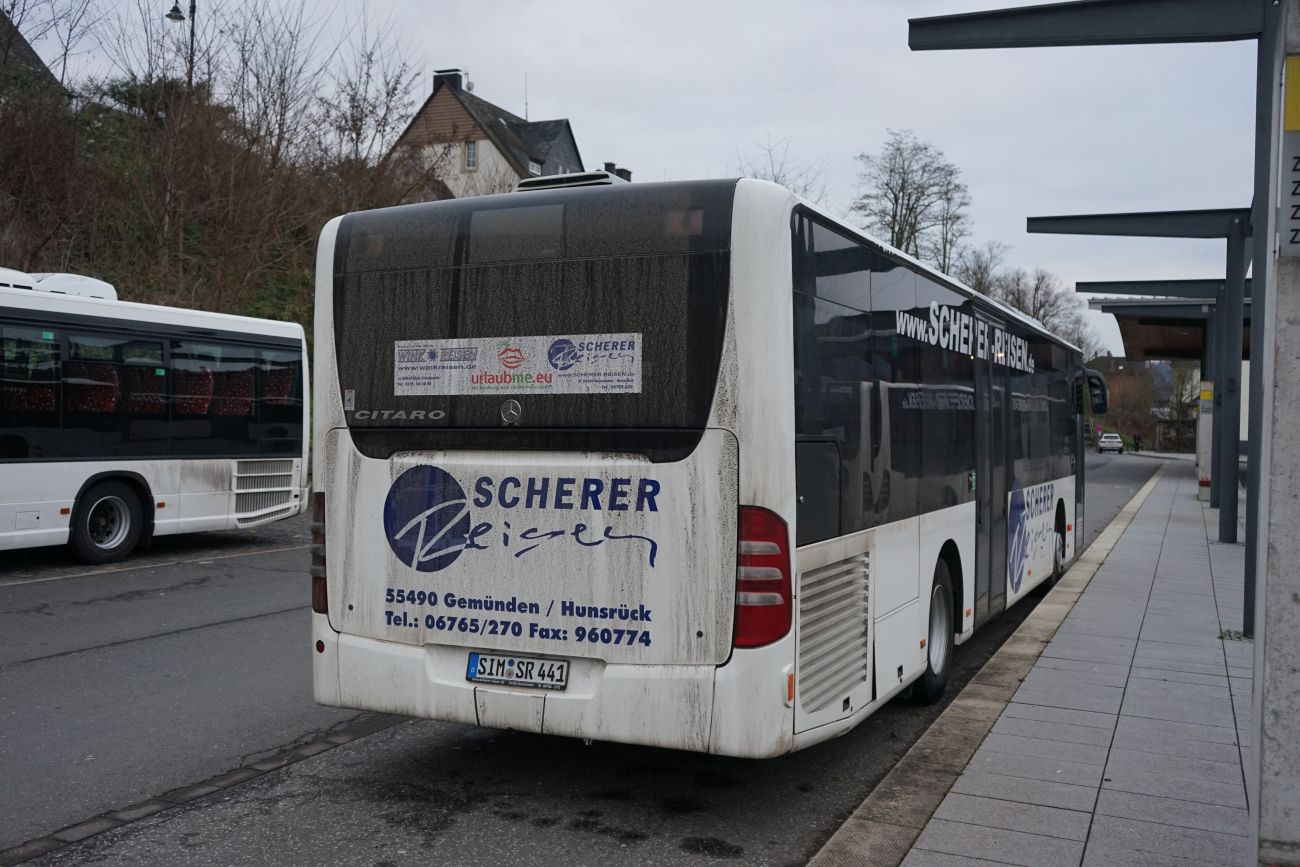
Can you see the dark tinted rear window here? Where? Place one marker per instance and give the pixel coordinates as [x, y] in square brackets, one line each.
[649, 259]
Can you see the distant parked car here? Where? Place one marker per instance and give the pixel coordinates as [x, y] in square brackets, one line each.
[1110, 443]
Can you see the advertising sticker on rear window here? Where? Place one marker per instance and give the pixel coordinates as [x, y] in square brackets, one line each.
[552, 364]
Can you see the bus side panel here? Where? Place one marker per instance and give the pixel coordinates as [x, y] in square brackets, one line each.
[835, 626]
[1031, 533]
[327, 402]
[206, 501]
[29, 514]
[900, 658]
[1068, 490]
[895, 570]
[898, 625]
[752, 717]
[759, 406]
[36, 492]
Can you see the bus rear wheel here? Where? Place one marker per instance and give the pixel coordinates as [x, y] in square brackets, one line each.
[1058, 559]
[107, 523]
[939, 639]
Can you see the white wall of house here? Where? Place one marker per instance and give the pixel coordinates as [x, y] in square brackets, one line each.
[493, 175]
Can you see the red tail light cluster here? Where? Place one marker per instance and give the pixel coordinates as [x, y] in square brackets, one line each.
[763, 590]
[319, 594]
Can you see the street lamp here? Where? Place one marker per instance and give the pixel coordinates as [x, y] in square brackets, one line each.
[177, 15]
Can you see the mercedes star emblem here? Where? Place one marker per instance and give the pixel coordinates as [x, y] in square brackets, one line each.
[510, 412]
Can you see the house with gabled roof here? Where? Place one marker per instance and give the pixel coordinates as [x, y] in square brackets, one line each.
[18, 57]
[482, 147]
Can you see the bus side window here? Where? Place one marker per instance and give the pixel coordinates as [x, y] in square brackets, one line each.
[832, 359]
[114, 395]
[29, 409]
[945, 399]
[213, 389]
[817, 478]
[279, 401]
[897, 374]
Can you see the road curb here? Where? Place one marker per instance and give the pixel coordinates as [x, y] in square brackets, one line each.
[881, 831]
[117, 817]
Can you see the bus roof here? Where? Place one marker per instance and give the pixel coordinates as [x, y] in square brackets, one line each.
[29, 299]
[948, 280]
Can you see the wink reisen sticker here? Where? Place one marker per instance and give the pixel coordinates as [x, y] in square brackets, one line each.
[550, 364]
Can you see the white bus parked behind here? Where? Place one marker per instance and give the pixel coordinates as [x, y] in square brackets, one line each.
[123, 421]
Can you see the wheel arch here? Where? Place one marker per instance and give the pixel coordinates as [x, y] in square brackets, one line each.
[133, 480]
[951, 557]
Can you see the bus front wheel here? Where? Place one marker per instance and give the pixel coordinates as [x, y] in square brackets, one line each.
[939, 639]
[107, 523]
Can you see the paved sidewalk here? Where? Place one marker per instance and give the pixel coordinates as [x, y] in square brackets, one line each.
[1164, 456]
[1126, 741]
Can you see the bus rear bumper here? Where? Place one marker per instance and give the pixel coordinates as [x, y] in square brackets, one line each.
[659, 706]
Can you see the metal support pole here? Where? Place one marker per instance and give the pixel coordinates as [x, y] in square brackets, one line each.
[1230, 373]
[189, 67]
[1262, 259]
[1213, 328]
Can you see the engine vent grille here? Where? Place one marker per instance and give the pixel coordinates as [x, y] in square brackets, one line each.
[261, 506]
[274, 467]
[261, 482]
[834, 646]
[264, 491]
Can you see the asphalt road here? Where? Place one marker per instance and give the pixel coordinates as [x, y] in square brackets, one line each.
[123, 682]
[192, 660]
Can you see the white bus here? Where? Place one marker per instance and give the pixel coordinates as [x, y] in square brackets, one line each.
[120, 422]
[690, 465]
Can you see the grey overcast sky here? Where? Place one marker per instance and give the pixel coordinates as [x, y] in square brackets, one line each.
[676, 90]
[679, 89]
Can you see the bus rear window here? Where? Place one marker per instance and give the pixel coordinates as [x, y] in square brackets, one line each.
[595, 308]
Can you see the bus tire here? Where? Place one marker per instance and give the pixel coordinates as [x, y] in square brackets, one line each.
[939, 639]
[1058, 559]
[1058, 552]
[107, 523]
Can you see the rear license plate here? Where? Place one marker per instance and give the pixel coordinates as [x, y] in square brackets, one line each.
[538, 672]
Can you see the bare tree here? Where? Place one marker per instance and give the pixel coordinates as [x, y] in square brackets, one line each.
[908, 190]
[1038, 293]
[1131, 405]
[1184, 392]
[1076, 329]
[370, 100]
[772, 162]
[32, 18]
[952, 224]
[979, 267]
[74, 20]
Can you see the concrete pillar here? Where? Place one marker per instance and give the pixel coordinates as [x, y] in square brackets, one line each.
[1227, 385]
[1274, 776]
[1204, 431]
[1276, 806]
[1205, 412]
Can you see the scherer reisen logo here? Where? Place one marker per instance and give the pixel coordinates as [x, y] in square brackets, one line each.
[1026, 535]
[429, 522]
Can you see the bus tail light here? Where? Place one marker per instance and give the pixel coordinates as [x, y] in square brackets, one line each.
[764, 595]
[319, 595]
